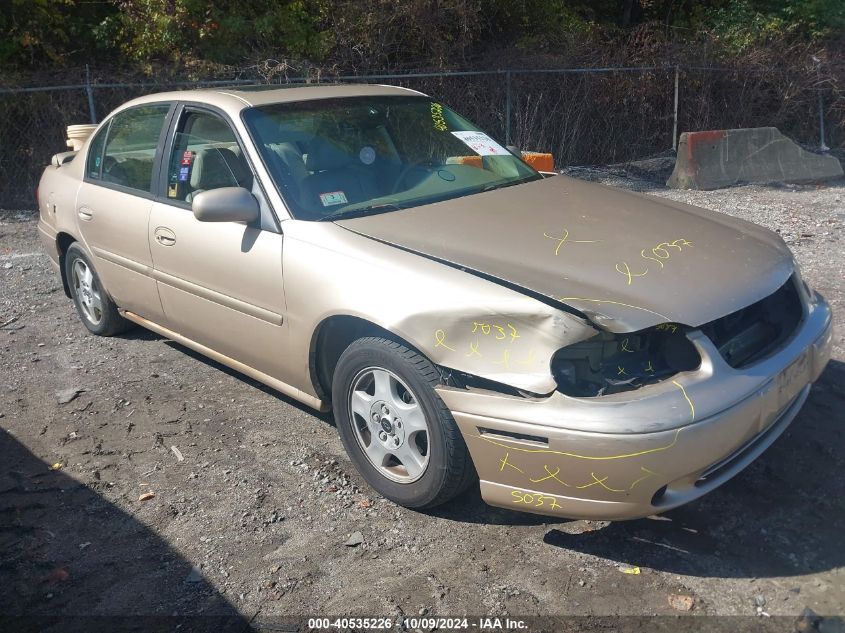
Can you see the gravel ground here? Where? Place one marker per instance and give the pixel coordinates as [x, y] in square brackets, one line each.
[255, 506]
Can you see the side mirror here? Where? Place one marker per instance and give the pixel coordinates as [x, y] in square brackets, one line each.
[227, 204]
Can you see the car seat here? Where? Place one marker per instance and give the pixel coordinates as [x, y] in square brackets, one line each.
[214, 168]
[333, 170]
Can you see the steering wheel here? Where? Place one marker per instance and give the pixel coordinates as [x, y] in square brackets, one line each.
[407, 170]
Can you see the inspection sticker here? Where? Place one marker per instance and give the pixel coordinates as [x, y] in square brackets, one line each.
[481, 144]
[187, 158]
[332, 198]
[183, 174]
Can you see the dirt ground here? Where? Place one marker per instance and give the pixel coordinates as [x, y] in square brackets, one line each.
[254, 506]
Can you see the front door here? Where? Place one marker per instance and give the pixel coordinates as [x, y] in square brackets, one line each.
[220, 283]
[114, 205]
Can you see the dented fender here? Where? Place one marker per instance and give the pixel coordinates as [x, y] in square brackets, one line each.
[458, 320]
[510, 344]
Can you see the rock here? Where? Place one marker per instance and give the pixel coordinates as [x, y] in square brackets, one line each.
[355, 539]
[681, 602]
[194, 576]
[68, 395]
[808, 621]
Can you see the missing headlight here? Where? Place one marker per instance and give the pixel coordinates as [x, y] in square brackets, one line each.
[610, 363]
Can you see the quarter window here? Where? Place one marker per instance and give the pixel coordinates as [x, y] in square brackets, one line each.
[94, 166]
[130, 150]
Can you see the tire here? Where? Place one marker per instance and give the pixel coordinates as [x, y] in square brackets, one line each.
[95, 307]
[447, 469]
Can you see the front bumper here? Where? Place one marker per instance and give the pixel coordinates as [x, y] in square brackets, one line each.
[637, 453]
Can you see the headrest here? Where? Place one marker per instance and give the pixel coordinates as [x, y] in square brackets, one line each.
[211, 129]
[324, 155]
[216, 167]
[292, 158]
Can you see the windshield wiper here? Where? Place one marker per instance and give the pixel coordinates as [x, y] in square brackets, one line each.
[501, 185]
[358, 213]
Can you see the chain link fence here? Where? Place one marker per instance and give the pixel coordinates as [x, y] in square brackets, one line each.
[584, 116]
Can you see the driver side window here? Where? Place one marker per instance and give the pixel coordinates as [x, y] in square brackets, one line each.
[205, 156]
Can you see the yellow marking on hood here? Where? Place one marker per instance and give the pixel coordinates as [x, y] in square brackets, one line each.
[628, 273]
[618, 303]
[654, 259]
[563, 238]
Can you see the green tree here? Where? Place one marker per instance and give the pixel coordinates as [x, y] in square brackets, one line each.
[227, 31]
[40, 32]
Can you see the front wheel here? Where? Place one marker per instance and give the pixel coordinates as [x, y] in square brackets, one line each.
[396, 430]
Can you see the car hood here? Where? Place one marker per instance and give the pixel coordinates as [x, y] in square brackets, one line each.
[625, 260]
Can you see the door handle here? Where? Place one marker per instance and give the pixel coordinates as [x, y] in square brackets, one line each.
[85, 213]
[164, 236]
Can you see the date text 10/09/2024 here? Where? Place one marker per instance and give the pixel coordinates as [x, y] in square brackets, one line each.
[424, 623]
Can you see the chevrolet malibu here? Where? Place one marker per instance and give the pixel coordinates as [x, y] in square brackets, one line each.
[579, 350]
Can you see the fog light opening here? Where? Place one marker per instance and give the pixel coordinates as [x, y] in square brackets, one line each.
[658, 496]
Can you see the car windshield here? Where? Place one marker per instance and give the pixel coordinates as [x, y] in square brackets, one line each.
[348, 157]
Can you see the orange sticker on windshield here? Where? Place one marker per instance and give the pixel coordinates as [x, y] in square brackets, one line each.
[331, 198]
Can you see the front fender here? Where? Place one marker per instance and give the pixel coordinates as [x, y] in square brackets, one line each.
[458, 320]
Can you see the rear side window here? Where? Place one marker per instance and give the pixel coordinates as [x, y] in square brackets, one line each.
[130, 147]
[94, 166]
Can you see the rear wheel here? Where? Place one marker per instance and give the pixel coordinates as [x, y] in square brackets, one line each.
[396, 430]
[96, 309]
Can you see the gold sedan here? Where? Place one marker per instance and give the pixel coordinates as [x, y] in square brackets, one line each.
[579, 350]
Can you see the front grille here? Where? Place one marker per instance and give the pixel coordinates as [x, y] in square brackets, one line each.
[750, 334]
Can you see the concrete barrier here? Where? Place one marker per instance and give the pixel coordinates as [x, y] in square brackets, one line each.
[721, 158]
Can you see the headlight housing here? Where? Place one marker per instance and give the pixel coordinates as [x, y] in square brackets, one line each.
[612, 363]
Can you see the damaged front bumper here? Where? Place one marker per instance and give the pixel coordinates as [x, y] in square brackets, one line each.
[633, 454]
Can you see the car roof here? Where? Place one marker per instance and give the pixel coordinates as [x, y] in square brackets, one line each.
[236, 98]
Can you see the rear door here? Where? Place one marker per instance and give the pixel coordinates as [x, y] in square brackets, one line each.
[115, 201]
[220, 283]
